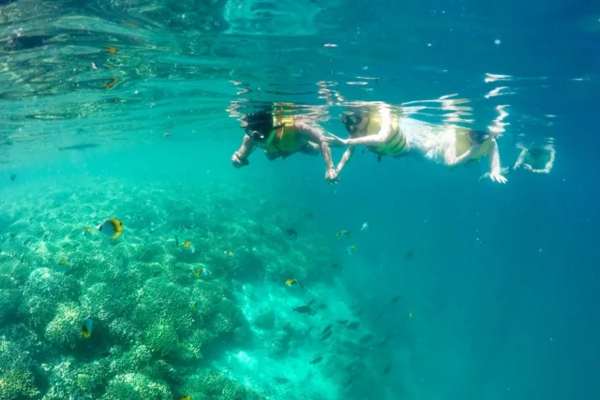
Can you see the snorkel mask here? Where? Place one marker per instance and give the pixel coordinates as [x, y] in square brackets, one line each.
[258, 125]
[261, 136]
[255, 134]
[478, 137]
[536, 151]
[351, 119]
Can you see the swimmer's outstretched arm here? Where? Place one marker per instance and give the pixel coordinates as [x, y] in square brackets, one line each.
[240, 157]
[316, 135]
[520, 159]
[495, 169]
[494, 157]
[549, 164]
[345, 158]
[450, 158]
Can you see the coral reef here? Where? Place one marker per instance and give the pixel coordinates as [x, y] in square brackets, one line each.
[9, 304]
[123, 331]
[136, 387]
[17, 384]
[164, 314]
[65, 329]
[43, 292]
[157, 325]
[91, 377]
[18, 347]
[215, 385]
[136, 359]
[72, 378]
[162, 338]
[105, 300]
[217, 313]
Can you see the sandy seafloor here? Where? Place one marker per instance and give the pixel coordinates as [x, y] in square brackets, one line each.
[159, 331]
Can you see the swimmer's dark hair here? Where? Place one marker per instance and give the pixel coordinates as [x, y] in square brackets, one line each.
[352, 117]
[478, 136]
[261, 121]
[536, 151]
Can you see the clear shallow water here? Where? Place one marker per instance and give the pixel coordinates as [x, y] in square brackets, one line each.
[501, 285]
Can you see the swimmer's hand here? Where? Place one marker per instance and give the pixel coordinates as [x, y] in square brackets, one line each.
[238, 161]
[487, 175]
[331, 176]
[335, 140]
[496, 176]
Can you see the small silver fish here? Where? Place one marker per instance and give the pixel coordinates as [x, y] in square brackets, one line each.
[365, 226]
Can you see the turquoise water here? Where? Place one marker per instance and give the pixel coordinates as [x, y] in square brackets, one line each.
[460, 288]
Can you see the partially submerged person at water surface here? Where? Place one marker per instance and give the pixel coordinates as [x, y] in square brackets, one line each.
[536, 159]
[381, 131]
[388, 133]
[281, 136]
[460, 145]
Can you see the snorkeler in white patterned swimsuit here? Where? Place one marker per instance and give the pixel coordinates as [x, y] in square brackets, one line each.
[457, 145]
[382, 132]
[385, 133]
